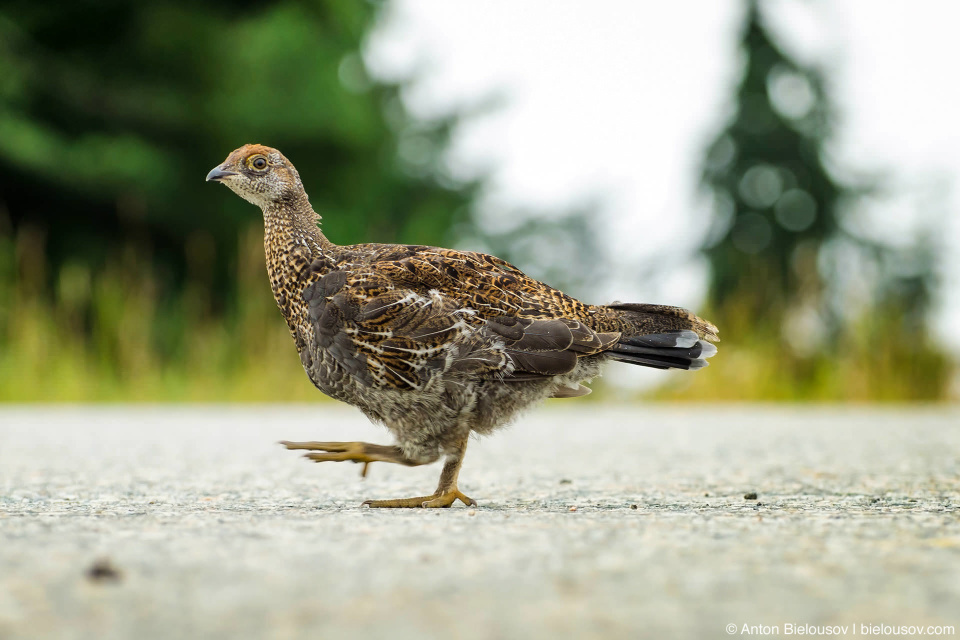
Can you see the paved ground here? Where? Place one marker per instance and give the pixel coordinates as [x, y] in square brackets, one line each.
[593, 522]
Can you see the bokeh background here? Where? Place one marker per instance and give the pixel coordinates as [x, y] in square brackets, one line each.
[787, 168]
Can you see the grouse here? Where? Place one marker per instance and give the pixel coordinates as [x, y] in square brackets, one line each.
[434, 343]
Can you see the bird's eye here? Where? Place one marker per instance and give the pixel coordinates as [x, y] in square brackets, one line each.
[259, 163]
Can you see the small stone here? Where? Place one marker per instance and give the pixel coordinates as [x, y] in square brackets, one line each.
[566, 481]
[572, 509]
[750, 496]
[472, 512]
[633, 506]
[102, 570]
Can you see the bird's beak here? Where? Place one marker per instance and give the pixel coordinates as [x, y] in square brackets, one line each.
[218, 173]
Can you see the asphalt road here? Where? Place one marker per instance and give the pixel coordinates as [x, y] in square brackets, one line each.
[593, 522]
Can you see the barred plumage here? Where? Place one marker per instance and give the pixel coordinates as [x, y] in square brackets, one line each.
[434, 343]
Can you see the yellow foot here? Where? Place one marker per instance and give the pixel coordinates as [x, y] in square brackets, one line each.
[437, 500]
[342, 452]
[324, 446]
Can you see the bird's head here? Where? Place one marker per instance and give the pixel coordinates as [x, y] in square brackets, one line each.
[260, 175]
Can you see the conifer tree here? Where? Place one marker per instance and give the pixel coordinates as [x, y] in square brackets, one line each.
[786, 269]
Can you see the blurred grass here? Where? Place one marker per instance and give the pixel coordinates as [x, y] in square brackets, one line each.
[112, 335]
[115, 335]
[876, 358]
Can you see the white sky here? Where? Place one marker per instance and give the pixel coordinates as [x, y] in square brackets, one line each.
[614, 100]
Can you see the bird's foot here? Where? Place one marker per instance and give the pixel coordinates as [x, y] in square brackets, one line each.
[437, 500]
[359, 452]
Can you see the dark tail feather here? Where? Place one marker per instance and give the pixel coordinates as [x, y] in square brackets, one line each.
[667, 350]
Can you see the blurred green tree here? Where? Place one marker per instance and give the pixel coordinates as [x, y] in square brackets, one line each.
[782, 256]
[112, 112]
[775, 203]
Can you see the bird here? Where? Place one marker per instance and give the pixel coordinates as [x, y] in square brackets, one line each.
[436, 344]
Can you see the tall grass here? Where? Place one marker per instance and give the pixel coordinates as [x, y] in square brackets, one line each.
[113, 334]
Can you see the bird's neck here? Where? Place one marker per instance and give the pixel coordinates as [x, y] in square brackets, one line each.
[294, 247]
[290, 224]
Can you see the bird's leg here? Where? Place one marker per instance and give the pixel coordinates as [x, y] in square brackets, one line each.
[354, 452]
[447, 492]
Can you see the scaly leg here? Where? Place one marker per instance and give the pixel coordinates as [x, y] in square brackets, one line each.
[447, 492]
[352, 451]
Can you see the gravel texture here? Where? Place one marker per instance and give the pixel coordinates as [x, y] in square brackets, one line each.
[593, 522]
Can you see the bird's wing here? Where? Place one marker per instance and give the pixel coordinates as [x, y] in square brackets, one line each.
[397, 322]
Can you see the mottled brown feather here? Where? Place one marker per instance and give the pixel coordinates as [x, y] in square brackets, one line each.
[432, 341]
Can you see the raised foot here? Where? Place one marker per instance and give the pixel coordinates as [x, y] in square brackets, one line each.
[359, 452]
[437, 500]
[324, 446]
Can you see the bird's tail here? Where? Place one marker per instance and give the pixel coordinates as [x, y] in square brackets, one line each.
[663, 337]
